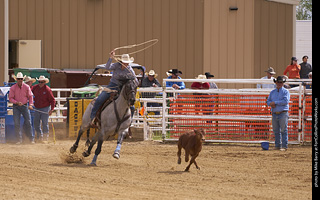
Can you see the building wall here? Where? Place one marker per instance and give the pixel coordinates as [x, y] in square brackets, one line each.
[194, 35]
[304, 40]
[229, 38]
[81, 33]
[273, 27]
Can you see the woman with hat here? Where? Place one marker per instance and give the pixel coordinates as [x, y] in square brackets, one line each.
[44, 103]
[175, 74]
[122, 71]
[20, 95]
[293, 69]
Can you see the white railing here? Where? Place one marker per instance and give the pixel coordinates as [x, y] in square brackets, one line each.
[155, 119]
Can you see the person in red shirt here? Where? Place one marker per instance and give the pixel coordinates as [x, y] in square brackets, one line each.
[200, 108]
[200, 85]
[293, 69]
[44, 103]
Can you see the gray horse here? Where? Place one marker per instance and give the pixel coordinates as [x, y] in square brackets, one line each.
[115, 118]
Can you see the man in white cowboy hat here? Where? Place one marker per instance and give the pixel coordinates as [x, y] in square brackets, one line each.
[150, 80]
[270, 72]
[29, 81]
[44, 103]
[20, 95]
[122, 70]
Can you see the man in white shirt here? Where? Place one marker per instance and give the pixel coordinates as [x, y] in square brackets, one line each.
[270, 72]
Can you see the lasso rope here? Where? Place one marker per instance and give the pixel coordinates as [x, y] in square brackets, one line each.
[154, 41]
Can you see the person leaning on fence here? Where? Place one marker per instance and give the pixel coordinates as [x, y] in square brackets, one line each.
[200, 108]
[150, 81]
[279, 101]
[270, 72]
[212, 84]
[20, 95]
[44, 103]
[175, 74]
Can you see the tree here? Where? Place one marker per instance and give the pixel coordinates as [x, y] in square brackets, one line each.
[304, 10]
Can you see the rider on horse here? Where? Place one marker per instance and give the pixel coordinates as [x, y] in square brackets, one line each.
[121, 71]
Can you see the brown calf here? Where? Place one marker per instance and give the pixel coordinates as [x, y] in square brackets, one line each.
[191, 142]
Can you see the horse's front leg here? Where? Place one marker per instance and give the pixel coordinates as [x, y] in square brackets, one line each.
[121, 136]
[75, 145]
[92, 143]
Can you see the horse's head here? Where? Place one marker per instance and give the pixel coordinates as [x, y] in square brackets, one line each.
[129, 91]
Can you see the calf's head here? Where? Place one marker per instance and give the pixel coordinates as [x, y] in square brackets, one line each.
[201, 134]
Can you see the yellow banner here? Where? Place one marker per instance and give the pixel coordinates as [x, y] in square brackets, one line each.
[85, 103]
[75, 117]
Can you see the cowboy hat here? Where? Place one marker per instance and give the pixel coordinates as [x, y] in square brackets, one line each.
[175, 72]
[280, 78]
[28, 78]
[208, 74]
[43, 78]
[270, 71]
[152, 73]
[19, 75]
[125, 58]
[201, 76]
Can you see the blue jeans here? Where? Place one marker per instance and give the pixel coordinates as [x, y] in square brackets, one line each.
[44, 118]
[102, 98]
[24, 111]
[280, 129]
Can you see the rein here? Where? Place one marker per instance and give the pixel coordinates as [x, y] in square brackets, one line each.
[119, 121]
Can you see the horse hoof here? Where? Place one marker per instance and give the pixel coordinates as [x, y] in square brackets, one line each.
[116, 155]
[93, 164]
[86, 154]
[73, 148]
[87, 143]
[179, 161]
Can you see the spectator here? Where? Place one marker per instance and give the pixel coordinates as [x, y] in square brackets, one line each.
[293, 69]
[212, 84]
[175, 74]
[20, 95]
[150, 80]
[200, 85]
[44, 103]
[29, 81]
[306, 68]
[270, 72]
[279, 101]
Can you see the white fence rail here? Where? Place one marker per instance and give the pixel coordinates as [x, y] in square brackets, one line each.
[159, 119]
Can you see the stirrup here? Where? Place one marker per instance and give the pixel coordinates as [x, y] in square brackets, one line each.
[93, 123]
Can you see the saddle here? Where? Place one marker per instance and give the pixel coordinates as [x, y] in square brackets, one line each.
[97, 118]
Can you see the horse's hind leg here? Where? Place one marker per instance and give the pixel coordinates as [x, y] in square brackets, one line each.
[97, 152]
[75, 145]
[121, 136]
[88, 139]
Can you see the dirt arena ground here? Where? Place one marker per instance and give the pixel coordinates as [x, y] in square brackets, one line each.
[149, 170]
